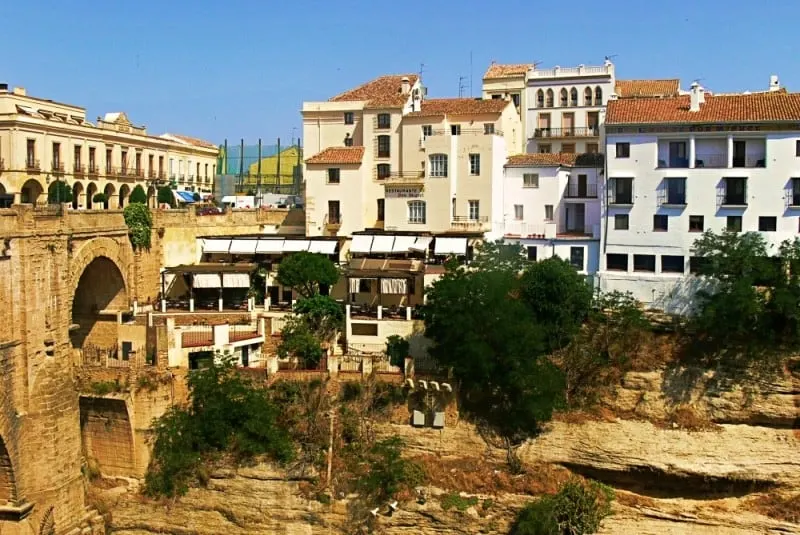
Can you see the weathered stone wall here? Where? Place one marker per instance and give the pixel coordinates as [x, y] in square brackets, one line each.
[107, 435]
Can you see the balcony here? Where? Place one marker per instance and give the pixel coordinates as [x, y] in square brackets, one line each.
[111, 170]
[139, 173]
[190, 179]
[712, 161]
[57, 167]
[576, 190]
[466, 132]
[577, 131]
[78, 169]
[32, 166]
[124, 171]
[333, 222]
[750, 161]
[408, 178]
[151, 174]
[93, 169]
[469, 224]
[575, 231]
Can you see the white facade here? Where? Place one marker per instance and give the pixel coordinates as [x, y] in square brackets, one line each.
[566, 107]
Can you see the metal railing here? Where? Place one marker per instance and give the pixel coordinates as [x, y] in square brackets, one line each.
[78, 168]
[57, 166]
[466, 132]
[32, 165]
[93, 169]
[198, 337]
[467, 224]
[576, 190]
[759, 160]
[237, 333]
[333, 220]
[715, 161]
[576, 131]
[409, 177]
[139, 172]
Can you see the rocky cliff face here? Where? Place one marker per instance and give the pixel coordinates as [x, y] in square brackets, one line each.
[706, 473]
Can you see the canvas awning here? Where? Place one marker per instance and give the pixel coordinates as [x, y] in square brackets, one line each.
[235, 280]
[445, 246]
[184, 196]
[421, 244]
[362, 243]
[403, 244]
[207, 280]
[293, 246]
[382, 244]
[211, 245]
[323, 247]
[228, 199]
[270, 246]
[243, 246]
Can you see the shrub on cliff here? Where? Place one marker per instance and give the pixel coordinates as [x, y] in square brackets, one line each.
[140, 224]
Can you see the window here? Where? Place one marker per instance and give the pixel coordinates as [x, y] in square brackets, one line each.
[672, 264]
[530, 180]
[592, 148]
[497, 96]
[587, 96]
[384, 170]
[621, 222]
[576, 257]
[573, 97]
[550, 98]
[548, 212]
[333, 175]
[545, 148]
[427, 130]
[474, 164]
[474, 210]
[381, 209]
[734, 223]
[348, 141]
[334, 215]
[438, 165]
[674, 191]
[795, 192]
[695, 223]
[488, 128]
[644, 262]
[455, 129]
[150, 164]
[660, 223]
[519, 212]
[124, 160]
[735, 192]
[767, 223]
[697, 264]
[108, 160]
[540, 99]
[205, 171]
[623, 150]
[384, 144]
[139, 164]
[515, 99]
[197, 167]
[564, 98]
[568, 148]
[416, 212]
[92, 162]
[365, 286]
[621, 190]
[384, 120]
[56, 155]
[348, 117]
[598, 96]
[532, 253]
[616, 262]
[30, 160]
[797, 148]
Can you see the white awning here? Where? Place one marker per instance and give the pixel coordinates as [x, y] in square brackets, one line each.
[269, 246]
[421, 244]
[361, 243]
[243, 246]
[169, 278]
[228, 199]
[235, 280]
[293, 246]
[216, 246]
[322, 247]
[207, 280]
[456, 246]
[382, 244]
[402, 244]
[394, 286]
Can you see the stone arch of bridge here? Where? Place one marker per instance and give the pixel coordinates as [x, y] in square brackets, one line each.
[8, 488]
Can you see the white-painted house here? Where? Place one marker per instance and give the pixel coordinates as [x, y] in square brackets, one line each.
[551, 206]
[677, 166]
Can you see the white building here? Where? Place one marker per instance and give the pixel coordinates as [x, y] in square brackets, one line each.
[680, 165]
[550, 205]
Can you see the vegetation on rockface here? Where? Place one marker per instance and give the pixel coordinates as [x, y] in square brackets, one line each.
[383, 473]
[60, 192]
[306, 272]
[138, 195]
[577, 509]
[226, 414]
[140, 224]
[164, 195]
[458, 502]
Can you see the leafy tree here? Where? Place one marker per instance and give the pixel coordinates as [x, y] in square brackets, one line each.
[304, 272]
[138, 195]
[165, 196]
[577, 509]
[386, 473]
[140, 224]
[500, 255]
[100, 198]
[196, 197]
[397, 349]
[559, 299]
[323, 315]
[59, 192]
[299, 341]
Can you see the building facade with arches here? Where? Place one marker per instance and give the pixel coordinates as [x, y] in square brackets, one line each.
[44, 143]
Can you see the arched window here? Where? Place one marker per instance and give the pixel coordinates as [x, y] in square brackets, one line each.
[598, 96]
[573, 97]
[416, 212]
[540, 99]
[384, 169]
[587, 96]
[550, 98]
[563, 97]
[438, 165]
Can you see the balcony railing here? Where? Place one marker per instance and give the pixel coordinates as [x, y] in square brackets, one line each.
[469, 224]
[57, 167]
[466, 132]
[139, 173]
[750, 161]
[581, 191]
[406, 178]
[671, 198]
[93, 169]
[574, 230]
[151, 173]
[733, 199]
[715, 161]
[576, 131]
[793, 197]
[111, 170]
[78, 169]
[32, 165]
[333, 221]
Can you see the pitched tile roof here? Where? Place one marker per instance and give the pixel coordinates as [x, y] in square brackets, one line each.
[497, 70]
[459, 106]
[338, 155]
[647, 88]
[753, 108]
[382, 92]
[191, 141]
[566, 159]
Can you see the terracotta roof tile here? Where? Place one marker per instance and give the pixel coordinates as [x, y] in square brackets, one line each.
[338, 155]
[566, 159]
[754, 108]
[647, 88]
[382, 92]
[497, 70]
[459, 106]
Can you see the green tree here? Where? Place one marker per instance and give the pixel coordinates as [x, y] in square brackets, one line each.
[304, 272]
[100, 198]
[299, 341]
[196, 197]
[323, 315]
[140, 224]
[386, 473]
[500, 255]
[397, 349]
[59, 193]
[138, 195]
[165, 196]
[577, 509]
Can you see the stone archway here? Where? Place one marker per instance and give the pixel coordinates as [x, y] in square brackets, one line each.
[151, 197]
[107, 435]
[77, 196]
[91, 191]
[109, 191]
[124, 193]
[8, 488]
[31, 191]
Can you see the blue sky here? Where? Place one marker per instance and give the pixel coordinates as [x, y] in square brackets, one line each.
[241, 68]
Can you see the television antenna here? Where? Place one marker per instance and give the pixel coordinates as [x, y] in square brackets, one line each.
[461, 86]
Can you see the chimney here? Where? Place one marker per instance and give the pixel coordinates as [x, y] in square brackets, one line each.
[20, 91]
[774, 85]
[405, 86]
[695, 97]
